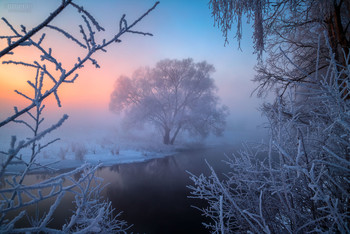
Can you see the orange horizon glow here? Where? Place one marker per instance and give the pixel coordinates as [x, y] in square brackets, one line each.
[90, 90]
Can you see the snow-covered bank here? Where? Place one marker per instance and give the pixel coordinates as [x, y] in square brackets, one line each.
[76, 155]
[65, 155]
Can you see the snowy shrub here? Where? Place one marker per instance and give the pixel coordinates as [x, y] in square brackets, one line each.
[79, 150]
[62, 153]
[80, 153]
[299, 181]
[115, 150]
[91, 214]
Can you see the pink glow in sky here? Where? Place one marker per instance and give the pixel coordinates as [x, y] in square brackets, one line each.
[181, 29]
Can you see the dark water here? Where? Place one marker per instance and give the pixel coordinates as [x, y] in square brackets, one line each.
[153, 194]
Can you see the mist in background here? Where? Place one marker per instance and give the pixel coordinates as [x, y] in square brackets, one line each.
[181, 29]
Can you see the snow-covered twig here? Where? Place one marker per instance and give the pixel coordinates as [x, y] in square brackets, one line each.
[300, 181]
[36, 29]
[91, 214]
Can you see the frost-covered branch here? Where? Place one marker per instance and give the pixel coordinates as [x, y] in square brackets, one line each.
[66, 73]
[25, 37]
[299, 182]
[91, 214]
[14, 150]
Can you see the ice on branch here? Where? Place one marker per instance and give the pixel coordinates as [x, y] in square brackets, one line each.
[91, 213]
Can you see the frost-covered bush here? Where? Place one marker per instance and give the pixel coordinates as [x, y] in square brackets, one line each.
[62, 153]
[80, 153]
[79, 150]
[115, 150]
[90, 213]
[299, 181]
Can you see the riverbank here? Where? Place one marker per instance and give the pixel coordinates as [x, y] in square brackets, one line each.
[73, 156]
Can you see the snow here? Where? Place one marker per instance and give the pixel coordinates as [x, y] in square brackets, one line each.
[73, 156]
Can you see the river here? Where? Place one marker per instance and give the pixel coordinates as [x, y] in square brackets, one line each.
[153, 194]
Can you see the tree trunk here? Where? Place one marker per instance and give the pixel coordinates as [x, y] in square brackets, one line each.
[175, 134]
[340, 45]
[342, 49]
[166, 137]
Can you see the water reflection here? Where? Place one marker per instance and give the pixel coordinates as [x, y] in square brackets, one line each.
[152, 194]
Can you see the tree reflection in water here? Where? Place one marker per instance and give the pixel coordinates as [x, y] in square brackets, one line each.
[152, 194]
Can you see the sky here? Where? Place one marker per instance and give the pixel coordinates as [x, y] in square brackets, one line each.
[181, 29]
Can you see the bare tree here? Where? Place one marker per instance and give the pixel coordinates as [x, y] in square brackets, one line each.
[292, 28]
[176, 95]
[91, 214]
